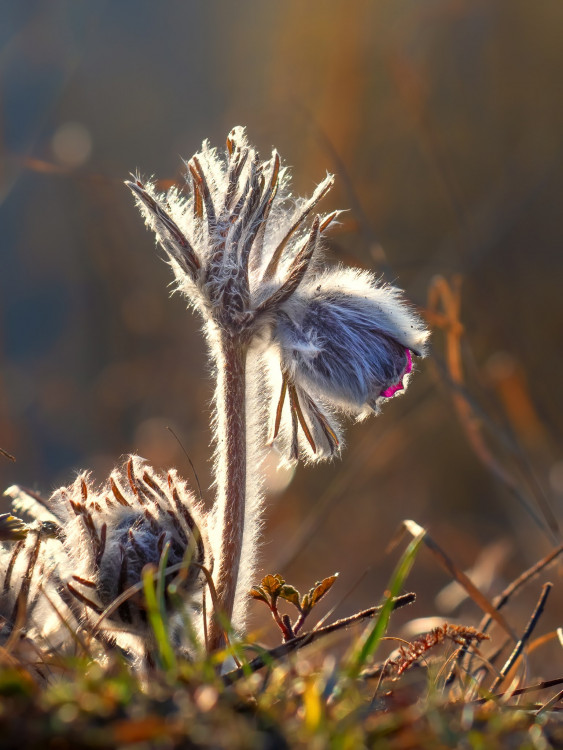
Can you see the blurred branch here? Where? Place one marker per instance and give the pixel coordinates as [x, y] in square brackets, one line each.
[508, 441]
[444, 305]
[366, 230]
[7, 455]
[545, 685]
[447, 563]
[534, 619]
[500, 600]
[60, 77]
[413, 93]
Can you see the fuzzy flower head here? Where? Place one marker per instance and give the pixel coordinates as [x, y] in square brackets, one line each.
[247, 255]
[111, 533]
[90, 544]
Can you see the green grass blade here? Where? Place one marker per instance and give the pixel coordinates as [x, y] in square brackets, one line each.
[157, 619]
[161, 579]
[370, 643]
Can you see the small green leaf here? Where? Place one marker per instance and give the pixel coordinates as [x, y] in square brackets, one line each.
[291, 595]
[272, 584]
[321, 589]
[258, 593]
[306, 604]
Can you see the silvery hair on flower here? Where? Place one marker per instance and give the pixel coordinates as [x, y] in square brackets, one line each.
[345, 341]
[105, 537]
[25, 567]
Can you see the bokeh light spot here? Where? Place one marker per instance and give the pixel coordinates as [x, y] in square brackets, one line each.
[72, 144]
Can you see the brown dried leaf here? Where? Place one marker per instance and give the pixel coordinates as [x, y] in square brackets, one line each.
[321, 589]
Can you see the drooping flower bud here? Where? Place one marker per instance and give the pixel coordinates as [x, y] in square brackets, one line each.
[347, 339]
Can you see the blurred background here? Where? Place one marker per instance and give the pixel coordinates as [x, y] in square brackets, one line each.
[443, 122]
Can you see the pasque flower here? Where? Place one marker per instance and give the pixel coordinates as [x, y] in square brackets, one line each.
[88, 545]
[111, 533]
[293, 344]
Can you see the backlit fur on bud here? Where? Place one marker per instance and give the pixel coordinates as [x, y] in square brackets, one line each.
[111, 533]
[92, 544]
[24, 569]
[345, 337]
[345, 342]
[242, 253]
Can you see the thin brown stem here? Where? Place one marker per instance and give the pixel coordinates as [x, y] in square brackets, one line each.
[536, 614]
[506, 594]
[287, 632]
[545, 685]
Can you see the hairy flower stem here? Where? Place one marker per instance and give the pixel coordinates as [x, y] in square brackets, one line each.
[230, 405]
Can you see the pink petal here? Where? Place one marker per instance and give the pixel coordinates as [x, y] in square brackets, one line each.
[388, 392]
